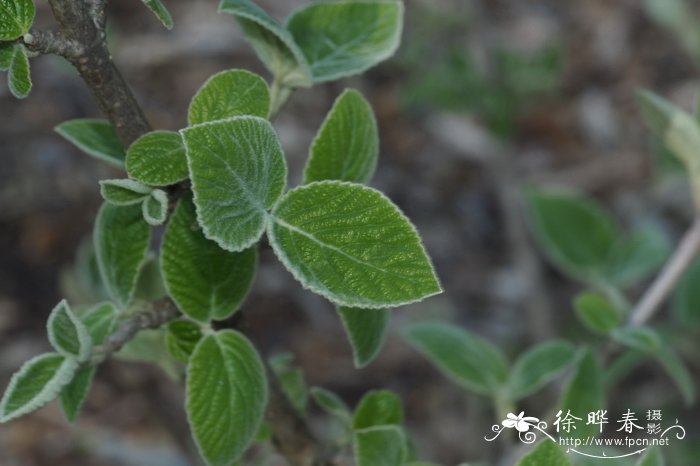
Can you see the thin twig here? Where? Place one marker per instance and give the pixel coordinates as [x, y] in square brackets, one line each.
[49, 42]
[684, 254]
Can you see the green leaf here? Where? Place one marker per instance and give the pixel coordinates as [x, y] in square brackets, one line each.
[350, 244]
[162, 13]
[341, 39]
[347, 144]
[539, 366]
[332, 404]
[585, 393]
[157, 159]
[597, 312]
[123, 192]
[675, 368]
[652, 457]
[100, 321]
[149, 285]
[6, 52]
[366, 329]
[181, 338]
[38, 381]
[274, 45]
[16, 17]
[19, 79]
[67, 333]
[227, 94]
[545, 453]
[206, 282]
[155, 208]
[291, 379]
[238, 172]
[226, 396]
[574, 232]
[380, 446]
[121, 243]
[637, 256]
[686, 299]
[378, 408]
[467, 359]
[640, 338]
[149, 346]
[96, 138]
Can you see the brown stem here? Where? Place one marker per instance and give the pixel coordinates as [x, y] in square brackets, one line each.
[82, 22]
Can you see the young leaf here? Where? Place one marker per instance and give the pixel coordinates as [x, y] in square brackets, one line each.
[468, 360]
[585, 392]
[539, 366]
[291, 379]
[341, 39]
[226, 396]
[347, 145]
[121, 242]
[38, 381]
[635, 257]
[181, 338]
[162, 13]
[675, 368]
[238, 173]
[227, 94]
[686, 299]
[652, 457]
[378, 408]
[157, 159]
[380, 446]
[123, 192]
[19, 79]
[545, 453]
[366, 329]
[576, 235]
[640, 338]
[96, 138]
[350, 244]
[206, 282]
[67, 333]
[6, 52]
[597, 312]
[16, 17]
[149, 285]
[155, 208]
[332, 404]
[272, 42]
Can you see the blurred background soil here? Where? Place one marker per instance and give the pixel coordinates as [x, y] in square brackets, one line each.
[484, 98]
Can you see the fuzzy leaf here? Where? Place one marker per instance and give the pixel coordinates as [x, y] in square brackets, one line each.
[291, 379]
[121, 242]
[350, 244]
[38, 381]
[162, 13]
[640, 338]
[585, 392]
[226, 396]
[575, 233]
[341, 39]
[467, 359]
[347, 145]
[123, 192]
[206, 282]
[676, 369]
[6, 52]
[96, 138]
[380, 446]
[149, 285]
[19, 79]
[378, 408]
[16, 17]
[539, 366]
[634, 257]
[366, 329]
[238, 172]
[332, 404]
[181, 337]
[155, 208]
[686, 299]
[274, 45]
[545, 453]
[597, 312]
[67, 333]
[227, 94]
[157, 159]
